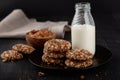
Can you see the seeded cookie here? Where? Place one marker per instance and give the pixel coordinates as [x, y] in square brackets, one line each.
[11, 55]
[22, 48]
[79, 54]
[54, 54]
[55, 45]
[49, 60]
[78, 64]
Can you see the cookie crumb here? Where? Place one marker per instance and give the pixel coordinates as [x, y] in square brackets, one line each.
[41, 74]
[105, 74]
[96, 75]
[65, 67]
[82, 77]
[100, 72]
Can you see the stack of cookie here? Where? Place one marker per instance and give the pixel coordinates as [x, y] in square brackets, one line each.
[55, 50]
[77, 58]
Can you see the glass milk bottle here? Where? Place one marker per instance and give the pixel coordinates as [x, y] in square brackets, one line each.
[83, 28]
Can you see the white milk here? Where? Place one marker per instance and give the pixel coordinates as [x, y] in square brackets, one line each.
[83, 37]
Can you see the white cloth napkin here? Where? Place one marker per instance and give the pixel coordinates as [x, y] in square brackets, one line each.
[17, 24]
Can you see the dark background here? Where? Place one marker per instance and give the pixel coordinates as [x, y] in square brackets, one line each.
[106, 14]
[48, 8]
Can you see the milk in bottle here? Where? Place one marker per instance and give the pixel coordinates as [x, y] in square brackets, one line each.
[83, 28]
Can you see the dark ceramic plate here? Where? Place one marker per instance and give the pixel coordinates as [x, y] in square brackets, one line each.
[102, 56]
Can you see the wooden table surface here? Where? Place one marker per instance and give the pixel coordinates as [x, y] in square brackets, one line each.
[107, 35]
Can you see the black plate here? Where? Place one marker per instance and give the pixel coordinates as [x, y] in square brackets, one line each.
[102, 56]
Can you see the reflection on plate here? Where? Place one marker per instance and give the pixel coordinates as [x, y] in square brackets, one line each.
[102, 56]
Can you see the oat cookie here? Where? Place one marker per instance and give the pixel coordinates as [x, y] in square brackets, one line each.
[54, 54]
[22, 48]
[11, 55]
[79, 54]
[78, 64]
[60, 45]
[49, 60]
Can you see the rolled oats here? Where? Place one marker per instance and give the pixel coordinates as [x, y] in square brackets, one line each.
[40, 33]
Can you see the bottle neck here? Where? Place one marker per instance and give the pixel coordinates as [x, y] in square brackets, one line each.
[82, 7]
[82, 10]
[82, 14]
